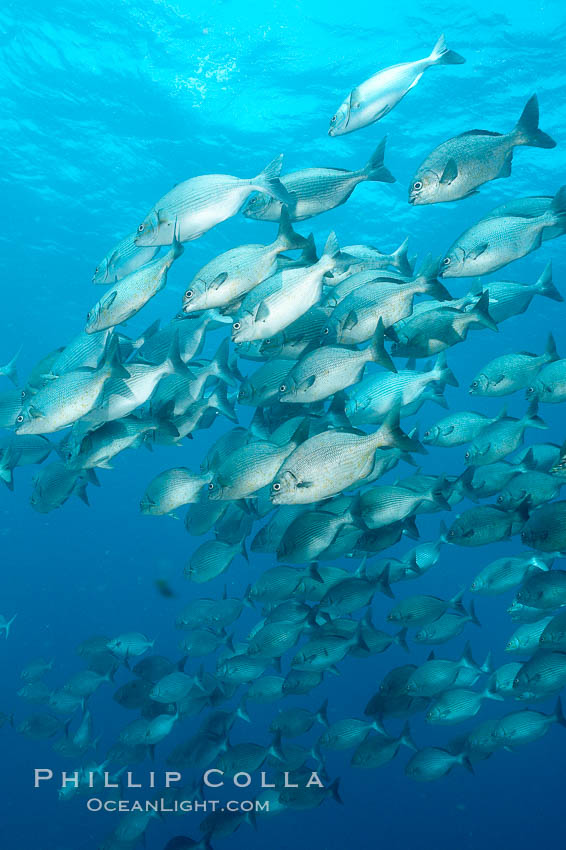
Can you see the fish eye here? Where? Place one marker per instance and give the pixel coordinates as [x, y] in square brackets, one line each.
[276, 487]
[446, 261]
[475, 384]
[417, 185]
[325, 331]
[20, 418]
[189, 293]
[283, 388]
[237, 326]
[211, 486]
[141, 228]
[427, 433]
[96, 270]
[467, 455]
[23, 394]
[267, 342]
[333, 119]
[88, 315]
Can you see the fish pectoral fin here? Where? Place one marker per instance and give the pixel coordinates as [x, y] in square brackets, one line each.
[506, 167]
[449, 430]
[109, 300]
[218, 281]
[485, 451]
[35, 412]
[307, 383]
[468, 533]
[305, 484]
[478, 251]
[497, 380]
[162, 215]
[351, 320]
[262, 312]
[450, 172]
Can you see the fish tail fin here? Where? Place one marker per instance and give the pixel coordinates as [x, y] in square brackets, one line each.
[456, 602]
[444, 374]
[9, 369]
[335, 793]
[268, 181]
[8, 625]
[390, 435]
[287, 239]
[225, 366]
[465, 762]
[550, 350]
[374, 169]
[558, 207]
[473, 615]
[322, 714]
[428, 275]
[377, 347]
[401, 640]
[441, 55]
[545, 285]
[174, 360]
[275, 749]
[218, 400]
[332, 248]
[176, 247]
[481, 312]
[532, 419]
[406, 737]
[400, 259]
[527, 130]
[487, 666]
[113, 361]
[559, 714]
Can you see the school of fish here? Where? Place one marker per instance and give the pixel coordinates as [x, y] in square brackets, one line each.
[321, 354]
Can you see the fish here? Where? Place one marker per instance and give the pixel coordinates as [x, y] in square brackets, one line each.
[252, 466]
[126, 257]
[284, 297]
[21, 450]
[420, 610]
[378, 750]
[9, 370]
[330, 369]
[172, 489]
[543, 589]
[456, 168]
[526, 638]
[377, 96]
[494, 242]
[485, 524]
[512, 372]
[371, 399]
[196, 205]
[355, 319]
[68, 398]
[506, 573]
[545, 528]
[54, 484]
[432, 763]
[458, 704]
[522, 727]
[457, 429]
[313, 191]
[126, 297]
[549, 386]
[230, 276]
[435, 330]
[332, 461]
[212, 558]
[501, 438]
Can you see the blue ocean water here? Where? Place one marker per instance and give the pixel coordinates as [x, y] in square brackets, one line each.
[105, 106]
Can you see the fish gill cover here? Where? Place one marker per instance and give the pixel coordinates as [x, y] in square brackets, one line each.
[313, 402]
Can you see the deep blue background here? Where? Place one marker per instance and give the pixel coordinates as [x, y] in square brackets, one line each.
[104, 107]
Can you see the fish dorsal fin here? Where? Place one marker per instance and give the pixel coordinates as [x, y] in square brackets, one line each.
[478, 133]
